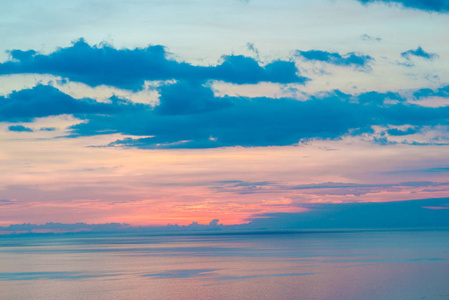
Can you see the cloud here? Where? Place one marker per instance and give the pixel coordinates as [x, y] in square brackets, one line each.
[419, 52]
[244, 187]
[191, 116]
[59, 227]
[47, 129]
[19, 55]
[205, 121]
[397, 132]
[124, 68]
[188, 98]
[347, 60]
[435, 170]
[412, 214]
[241, 122]
[326, 188]
[378, 98]
[340, 189]
[44, 100]
[425, 93]
[19, 128]
[366, 37]
[400, 214]
[441, 6]
[4, 202]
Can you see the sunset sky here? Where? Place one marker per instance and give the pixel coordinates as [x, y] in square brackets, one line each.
[157, 112]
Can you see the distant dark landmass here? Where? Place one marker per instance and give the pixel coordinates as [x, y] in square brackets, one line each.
[412, 214]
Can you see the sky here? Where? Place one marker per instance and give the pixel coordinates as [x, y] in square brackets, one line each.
[157, 112]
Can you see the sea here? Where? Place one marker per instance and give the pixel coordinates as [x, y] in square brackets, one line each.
[381, 264]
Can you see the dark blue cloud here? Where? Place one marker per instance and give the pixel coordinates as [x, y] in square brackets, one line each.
[440, 92]
[414, 143]
[330, 188]
[441, 6]
[413, 214]
[47, 129]
[366, 37]
[378, 98]
[20, 55]
[243, 187]
[427, 213]
[435, 170]
[350, 59]
[65, 227]
[43, 101]
[340, 185]
[190, 116]
[125, 68]
[188, 98]
[383, 141]
[205, 121]
[240, 122]
[19, 128]
[240, 69]
[419, 52]
[397, 132]
[4, 202]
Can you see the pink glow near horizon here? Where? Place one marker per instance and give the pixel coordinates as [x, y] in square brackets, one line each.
[157, 187]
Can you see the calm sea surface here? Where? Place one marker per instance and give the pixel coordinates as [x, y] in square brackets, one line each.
[344, 265]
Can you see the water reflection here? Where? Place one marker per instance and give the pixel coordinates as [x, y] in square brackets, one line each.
[341, 265]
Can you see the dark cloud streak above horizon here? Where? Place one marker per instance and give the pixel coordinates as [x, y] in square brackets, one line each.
[424, 213]
[441, 6]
